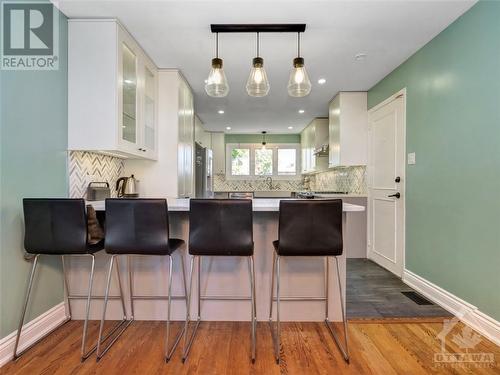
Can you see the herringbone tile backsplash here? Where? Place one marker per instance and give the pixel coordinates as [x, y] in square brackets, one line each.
[86, 167]
[350, 179]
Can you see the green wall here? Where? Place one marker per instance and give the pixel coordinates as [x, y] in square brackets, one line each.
[453, 126]
[257, 138]
[33, 163]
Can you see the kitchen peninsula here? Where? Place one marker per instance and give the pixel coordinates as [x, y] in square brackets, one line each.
[228, 276]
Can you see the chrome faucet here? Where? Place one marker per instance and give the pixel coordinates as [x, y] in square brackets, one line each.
[269, 180]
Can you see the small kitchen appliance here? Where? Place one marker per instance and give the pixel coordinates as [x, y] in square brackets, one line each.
[98, 191]
[126, 187]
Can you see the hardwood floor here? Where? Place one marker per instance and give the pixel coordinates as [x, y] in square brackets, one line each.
[224, 348]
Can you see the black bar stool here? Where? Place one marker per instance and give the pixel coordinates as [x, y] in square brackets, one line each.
[220, 227]
[139, 227]
[57, 227]
[308, 228]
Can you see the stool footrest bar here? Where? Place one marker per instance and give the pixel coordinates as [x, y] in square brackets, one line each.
[225, 298]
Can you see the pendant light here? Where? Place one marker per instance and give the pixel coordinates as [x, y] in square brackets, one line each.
[216, 85]
[257, 83]
[299, 84]
[264, 140]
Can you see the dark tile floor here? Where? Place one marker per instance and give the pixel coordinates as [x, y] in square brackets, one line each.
[374, 292]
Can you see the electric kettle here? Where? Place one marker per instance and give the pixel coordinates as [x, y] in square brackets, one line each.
[126, 187]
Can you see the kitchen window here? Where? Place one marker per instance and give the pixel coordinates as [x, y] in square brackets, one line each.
[249, 161]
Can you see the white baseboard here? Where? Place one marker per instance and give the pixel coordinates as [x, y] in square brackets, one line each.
[32, 331]
[467, 313]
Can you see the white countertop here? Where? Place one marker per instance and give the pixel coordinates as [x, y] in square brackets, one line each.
[259, 205]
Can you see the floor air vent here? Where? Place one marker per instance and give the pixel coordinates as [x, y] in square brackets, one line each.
[417, 298]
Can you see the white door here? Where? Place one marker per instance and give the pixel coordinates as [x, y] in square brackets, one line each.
[386, 182]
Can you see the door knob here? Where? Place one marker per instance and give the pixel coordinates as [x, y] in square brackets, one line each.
[398, 179]
[397, 195]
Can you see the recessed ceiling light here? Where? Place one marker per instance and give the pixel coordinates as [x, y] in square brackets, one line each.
[360, 56]
[228, 128]
[301, 111]
[290, 127]
[220, 111]
[321, 81]
[206, 81]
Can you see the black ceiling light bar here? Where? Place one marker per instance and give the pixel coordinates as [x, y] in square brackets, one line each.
[258, 28]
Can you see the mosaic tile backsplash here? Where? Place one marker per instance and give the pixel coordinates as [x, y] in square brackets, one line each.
[85, 167]
[222, 184]
[350, 179]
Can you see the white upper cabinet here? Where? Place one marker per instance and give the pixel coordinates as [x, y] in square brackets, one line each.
[348, 129]
[218, 153]
[112, 91]
[201, 136]
[185, 148]
[314, 136]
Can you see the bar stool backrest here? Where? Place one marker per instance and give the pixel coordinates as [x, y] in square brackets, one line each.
[220, 227]
[135, 226]
[310, 227]
[55, 226]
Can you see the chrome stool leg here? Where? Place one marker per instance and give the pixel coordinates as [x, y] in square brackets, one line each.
[344, 349]
[251, 270]
[187, 344]
[23, 314]
[85, 355]
[124, 322]
[276, 337]
[170, 352]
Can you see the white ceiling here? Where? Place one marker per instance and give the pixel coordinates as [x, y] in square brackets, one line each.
[176, 34]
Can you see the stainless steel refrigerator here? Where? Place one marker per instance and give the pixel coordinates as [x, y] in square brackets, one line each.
[203, 172]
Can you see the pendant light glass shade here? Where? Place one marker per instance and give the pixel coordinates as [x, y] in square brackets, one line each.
[216, 85]
[257, 83]
[299, 84]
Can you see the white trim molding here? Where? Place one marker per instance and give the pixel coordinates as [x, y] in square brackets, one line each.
[467, 313]
[32, 331]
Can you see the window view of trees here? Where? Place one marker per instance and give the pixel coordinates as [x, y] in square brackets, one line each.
[254, 161]
[263, 162]
[240, 161]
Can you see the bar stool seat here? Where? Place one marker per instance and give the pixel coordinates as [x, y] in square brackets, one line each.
[299, 252]
[169, 248]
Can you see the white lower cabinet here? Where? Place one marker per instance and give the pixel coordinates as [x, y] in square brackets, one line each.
[112, 91]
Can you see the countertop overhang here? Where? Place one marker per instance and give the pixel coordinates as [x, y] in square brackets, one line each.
[259, 205]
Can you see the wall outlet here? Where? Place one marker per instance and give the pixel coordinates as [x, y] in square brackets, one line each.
[411, 158]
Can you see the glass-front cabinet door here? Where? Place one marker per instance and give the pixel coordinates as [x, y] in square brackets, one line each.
[149, 135]
[129, 95]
